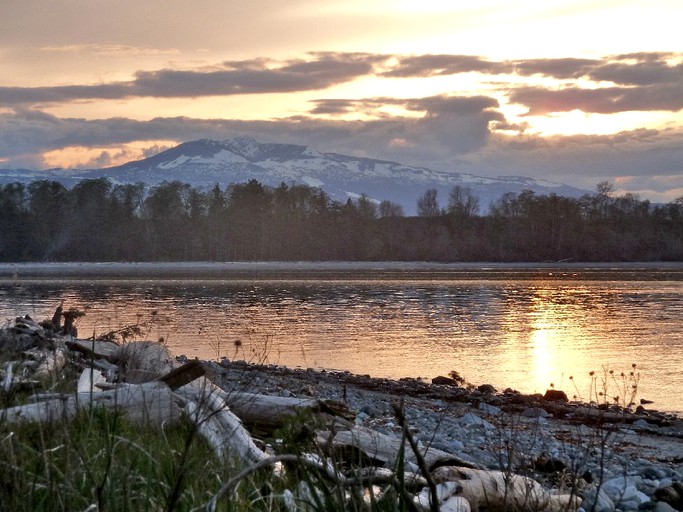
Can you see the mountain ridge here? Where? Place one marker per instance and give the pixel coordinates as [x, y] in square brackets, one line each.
[205, 162]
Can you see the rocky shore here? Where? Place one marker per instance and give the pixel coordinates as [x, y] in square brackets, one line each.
[614, 459]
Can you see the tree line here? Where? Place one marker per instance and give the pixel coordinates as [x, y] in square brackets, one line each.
[100, 221]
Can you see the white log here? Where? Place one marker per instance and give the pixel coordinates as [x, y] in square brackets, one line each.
[384, 450]
[51, 362]
[88, 381]
[7, 381]
[455, 504]
[495, 490]
[448, 498]
[222, 429]
[96, 349]
[268, 412]
[145, 356]
[149, 404]
[443, 491]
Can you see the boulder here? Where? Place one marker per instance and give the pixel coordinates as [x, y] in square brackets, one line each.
[441, 380]
[555, 395]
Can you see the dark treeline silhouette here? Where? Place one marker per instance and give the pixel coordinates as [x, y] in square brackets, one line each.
[99, 221]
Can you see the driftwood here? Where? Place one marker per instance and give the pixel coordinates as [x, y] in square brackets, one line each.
[447, 496]
[384, 450]
[597, 415]
[47, 362]
[95, 349]
[267, 413]
[182, 375]
[217, 424]
[88, 381]
[145, 356]
[150, 403]
[496, 490]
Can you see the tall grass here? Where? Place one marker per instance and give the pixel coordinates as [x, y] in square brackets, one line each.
[99, 461]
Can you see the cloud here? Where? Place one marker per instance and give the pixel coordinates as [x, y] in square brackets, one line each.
[625, 69]
[640, 81]
[234, 77]
[644, 161]
[444, 125]
[434, 65]
[109, 50]
[557, 68]
[605, 100]
[335, 106]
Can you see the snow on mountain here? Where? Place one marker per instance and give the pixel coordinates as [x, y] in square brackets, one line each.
[203, 163]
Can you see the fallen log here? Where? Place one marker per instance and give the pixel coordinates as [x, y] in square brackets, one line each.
[597, 415]
[267, 413]
[88, 381]
[183, 375]
[384, 450]
[496, 490]
[95, 349]
[222, 429]
[145, 356]
[149, 404]
[447, 499]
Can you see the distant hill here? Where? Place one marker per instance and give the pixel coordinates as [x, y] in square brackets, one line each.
[203, 163]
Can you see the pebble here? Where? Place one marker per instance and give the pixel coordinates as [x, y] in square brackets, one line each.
[632, 470]
[489, 409]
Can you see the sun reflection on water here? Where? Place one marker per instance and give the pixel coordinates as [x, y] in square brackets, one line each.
[546, 339]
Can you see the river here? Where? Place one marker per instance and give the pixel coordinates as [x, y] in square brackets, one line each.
[528, 327]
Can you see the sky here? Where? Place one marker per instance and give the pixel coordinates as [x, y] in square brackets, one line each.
[577, 92]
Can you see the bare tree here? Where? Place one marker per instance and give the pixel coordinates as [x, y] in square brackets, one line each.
[462, 203]
[428, 204]
[390, 209]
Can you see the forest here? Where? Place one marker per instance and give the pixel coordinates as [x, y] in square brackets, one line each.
[97, 220]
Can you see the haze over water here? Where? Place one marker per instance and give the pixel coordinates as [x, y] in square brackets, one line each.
[518, 326]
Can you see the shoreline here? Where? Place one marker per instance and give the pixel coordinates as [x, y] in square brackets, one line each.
[417, 387]
[611, 458]
[414, 270]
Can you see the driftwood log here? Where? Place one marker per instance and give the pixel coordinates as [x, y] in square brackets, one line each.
[151, 403]
[95, 349]
[496, 490]
[267, 413]
[384, 451]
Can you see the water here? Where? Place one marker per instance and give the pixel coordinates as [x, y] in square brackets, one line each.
[517, 326]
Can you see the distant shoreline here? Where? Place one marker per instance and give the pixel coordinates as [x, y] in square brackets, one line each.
[344, 269]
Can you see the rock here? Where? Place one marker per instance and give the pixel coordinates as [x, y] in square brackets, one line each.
[670, 495]
[471, 420]
[487, 389]
[599, 502]
[535, 412]
[489, 409]
[455, 446]
[555, 395]
[444, 381]
[651, 473]
[547, 464]
[631, 499]
[662, 506]
[623, 491]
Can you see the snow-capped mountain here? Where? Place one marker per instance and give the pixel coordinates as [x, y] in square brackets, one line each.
[203, 163]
